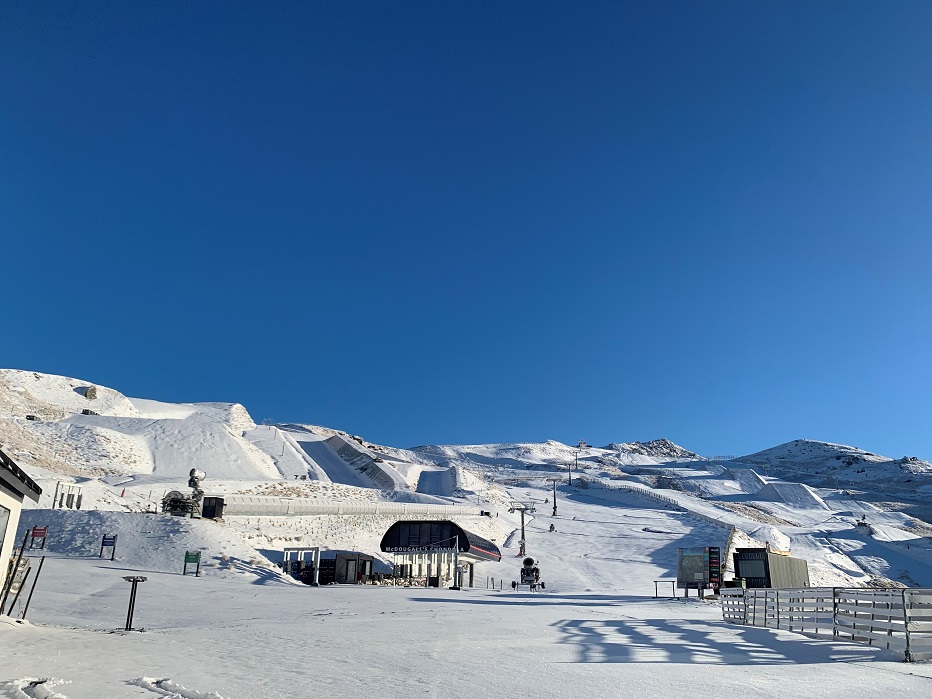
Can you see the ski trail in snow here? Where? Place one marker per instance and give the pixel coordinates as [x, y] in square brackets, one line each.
[32, 688]
[166, 688]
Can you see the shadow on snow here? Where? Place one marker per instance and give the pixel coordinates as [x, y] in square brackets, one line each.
[701, 642]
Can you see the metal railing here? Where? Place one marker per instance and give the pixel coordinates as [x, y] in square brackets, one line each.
[897, 619]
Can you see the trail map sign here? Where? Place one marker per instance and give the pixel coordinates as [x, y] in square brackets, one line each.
[699, 568]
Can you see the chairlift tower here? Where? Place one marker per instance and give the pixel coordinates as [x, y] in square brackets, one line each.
[554, 481]
[579, 447]
[522, 508]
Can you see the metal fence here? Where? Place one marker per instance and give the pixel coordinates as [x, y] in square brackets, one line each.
[898, 619]
[585, 482]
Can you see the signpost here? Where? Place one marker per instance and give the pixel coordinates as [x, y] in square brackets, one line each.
[699, 569]
[38, 533]
[108, 540]
[195, 558]
[715, 567]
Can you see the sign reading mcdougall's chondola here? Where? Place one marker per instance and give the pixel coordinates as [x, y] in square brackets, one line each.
[426, 536]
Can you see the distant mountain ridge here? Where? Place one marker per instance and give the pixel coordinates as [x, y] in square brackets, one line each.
[825, 463]
[40, 418]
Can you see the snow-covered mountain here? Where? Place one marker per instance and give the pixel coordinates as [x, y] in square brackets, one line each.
[823, 463]
[128, 451]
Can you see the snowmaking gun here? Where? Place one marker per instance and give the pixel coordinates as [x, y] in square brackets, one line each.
[530, 576]
[177, 503]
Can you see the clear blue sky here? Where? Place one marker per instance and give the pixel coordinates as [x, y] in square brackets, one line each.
[480, 221]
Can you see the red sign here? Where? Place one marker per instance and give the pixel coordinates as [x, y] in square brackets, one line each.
[39, 532]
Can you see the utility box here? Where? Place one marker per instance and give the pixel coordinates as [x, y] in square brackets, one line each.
[762, 568]
[212, 508]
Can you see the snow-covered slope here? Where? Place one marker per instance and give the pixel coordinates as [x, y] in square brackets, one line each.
[554, 454]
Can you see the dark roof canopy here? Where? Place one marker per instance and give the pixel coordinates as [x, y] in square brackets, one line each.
[425, 536]
[13, 477]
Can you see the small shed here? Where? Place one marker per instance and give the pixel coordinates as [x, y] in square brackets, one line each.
[344, 567]
[762, 568]
[212, 508]
[15, 486]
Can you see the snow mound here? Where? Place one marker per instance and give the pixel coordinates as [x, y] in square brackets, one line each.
[748, 479]
[793, 494]
[660, 449]
[123, 435]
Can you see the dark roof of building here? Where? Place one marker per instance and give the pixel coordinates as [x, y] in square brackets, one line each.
[424, 536]
[14, 477]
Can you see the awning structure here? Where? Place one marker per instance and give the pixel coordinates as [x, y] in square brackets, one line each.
[15, 480]
[436, 553]
[435, 536]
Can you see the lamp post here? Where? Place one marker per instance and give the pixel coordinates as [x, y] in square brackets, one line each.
[135, 580]
[456, 565]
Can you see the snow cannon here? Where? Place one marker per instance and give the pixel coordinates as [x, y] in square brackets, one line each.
[530, 576]
[194, 483]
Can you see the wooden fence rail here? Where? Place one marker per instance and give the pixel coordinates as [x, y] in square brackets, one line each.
[897, 619]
